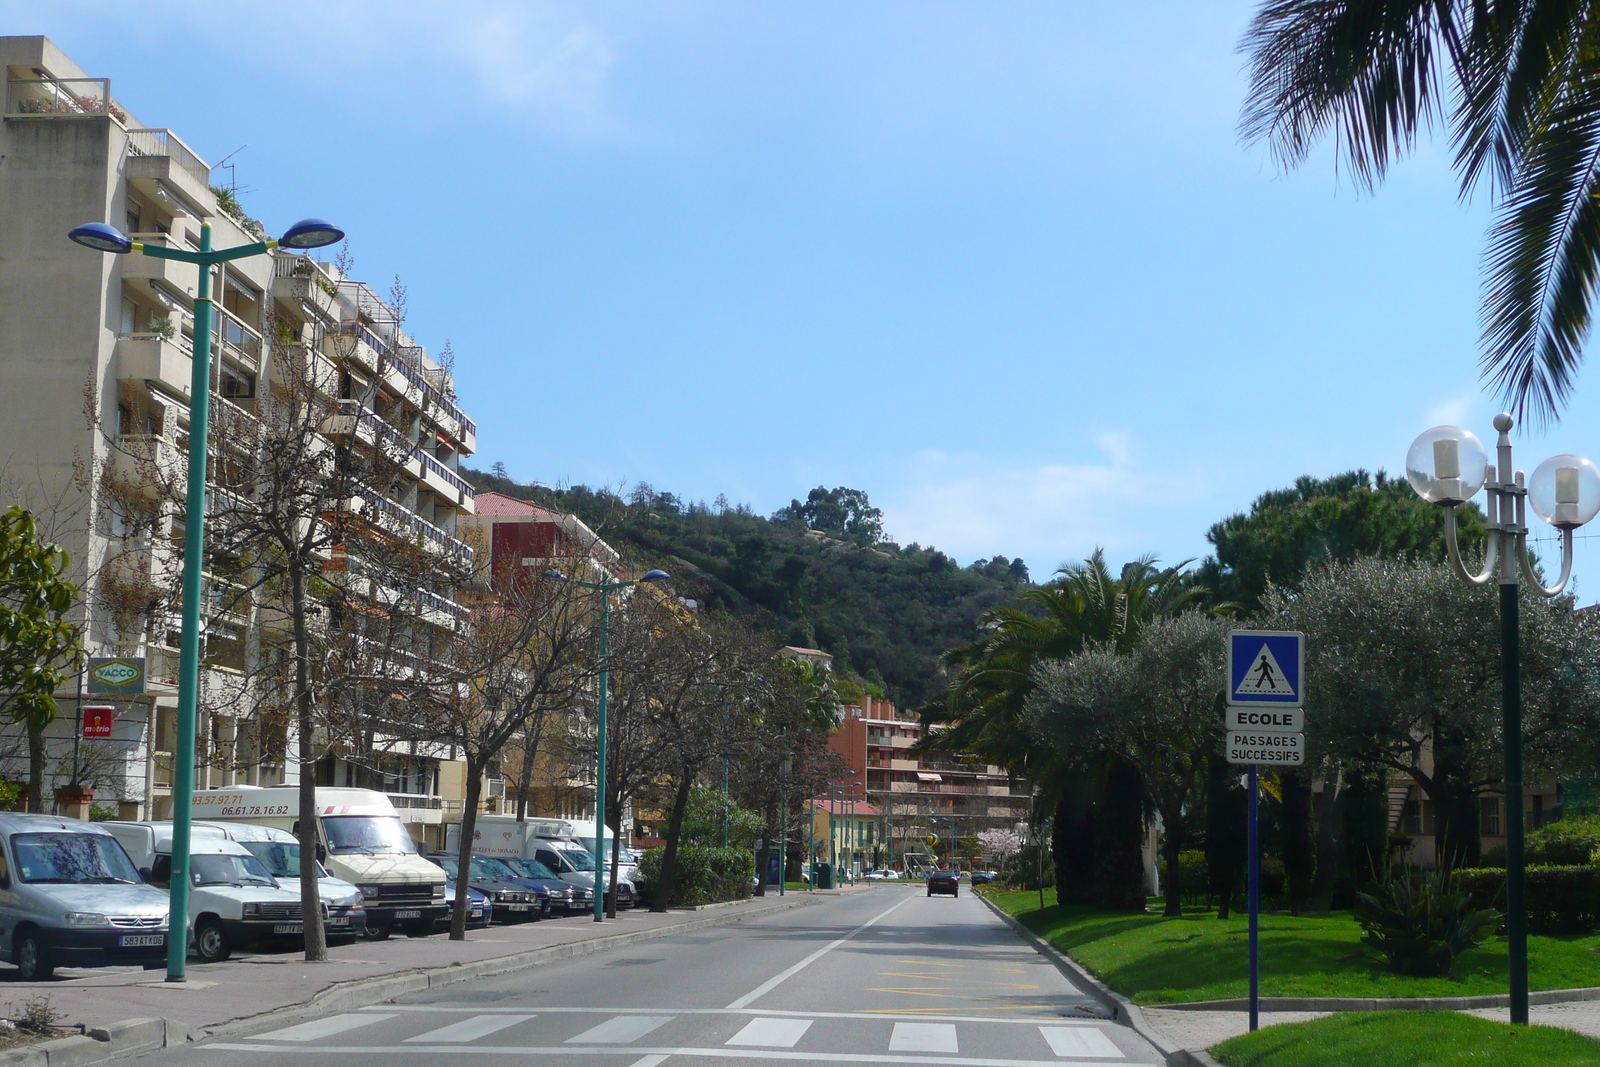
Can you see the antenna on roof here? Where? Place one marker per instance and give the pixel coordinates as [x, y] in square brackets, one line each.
[233, 170]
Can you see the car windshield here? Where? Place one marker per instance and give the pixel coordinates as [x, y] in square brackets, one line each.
[579, 859]
[78, 859]
[281, 858]
[228, 870]
[529, 868]
[492, 867]
[371, 834]
[448, 863]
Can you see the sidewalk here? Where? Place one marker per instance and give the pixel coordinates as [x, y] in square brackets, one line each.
[218, 994]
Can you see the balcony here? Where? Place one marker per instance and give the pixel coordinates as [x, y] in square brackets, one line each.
[298, 279]
[445, 482]
[176, 277]
[150, 465]
[150, 357]
[160, 156]
[406, 523]
[55, 98]
[230, 334]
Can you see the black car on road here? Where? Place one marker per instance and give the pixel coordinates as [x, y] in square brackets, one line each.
[944, 882]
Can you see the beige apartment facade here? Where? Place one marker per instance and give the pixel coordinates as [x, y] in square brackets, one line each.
[96, 352]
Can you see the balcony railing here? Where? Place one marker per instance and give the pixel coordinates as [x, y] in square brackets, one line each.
[405, 363]
[166, 143]
[451, 477]
[236, 335]
[413, 523]
[54, 97]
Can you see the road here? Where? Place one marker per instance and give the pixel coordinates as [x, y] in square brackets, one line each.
[879, 976]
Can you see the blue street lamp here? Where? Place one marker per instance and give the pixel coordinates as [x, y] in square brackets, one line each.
[605, 586]
[307, 233]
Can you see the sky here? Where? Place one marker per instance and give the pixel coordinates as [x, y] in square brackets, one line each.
[1006, 267]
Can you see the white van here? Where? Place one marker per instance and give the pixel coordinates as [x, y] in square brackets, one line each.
[360, 838]
[278, 850]
[234, 902]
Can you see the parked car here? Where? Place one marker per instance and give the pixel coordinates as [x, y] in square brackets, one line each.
[572, 864]
[70, 896]
[882, 874]
[944, 882]
[984, 877]
[564, 896]
[343, 906]
[234, 902]
[480, 909]
[513, 901]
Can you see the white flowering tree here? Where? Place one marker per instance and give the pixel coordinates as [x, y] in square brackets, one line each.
[1002, 844]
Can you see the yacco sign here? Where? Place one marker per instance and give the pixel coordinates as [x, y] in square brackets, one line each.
[123, 674]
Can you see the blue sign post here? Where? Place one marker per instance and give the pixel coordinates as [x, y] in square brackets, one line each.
[1266, 673]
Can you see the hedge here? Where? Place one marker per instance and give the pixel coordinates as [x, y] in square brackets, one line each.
[1566, 842]
[706, 875]
[1561, 900]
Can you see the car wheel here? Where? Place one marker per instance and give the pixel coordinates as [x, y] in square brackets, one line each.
[376, 933]
[930, 892]
[420, 928]
[32, 959]
[210, 943]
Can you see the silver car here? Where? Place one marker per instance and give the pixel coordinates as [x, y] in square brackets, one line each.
[69, 896]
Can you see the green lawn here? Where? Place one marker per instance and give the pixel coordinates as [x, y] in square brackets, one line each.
[1166, 961]
[1408, 1039]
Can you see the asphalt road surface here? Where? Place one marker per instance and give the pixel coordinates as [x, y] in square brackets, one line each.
[881, 976]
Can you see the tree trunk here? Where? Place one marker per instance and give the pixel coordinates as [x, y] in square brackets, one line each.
[1227, 847]
[1299, 863]
[1328, 808]
[530, 749]
[1456, 837]
[316, 936]
[614, 821]
[35, 766]
[669, 857]
[766, 854]
[1366, 826]
[469, 826]
[1171, 855]
[1119, 832]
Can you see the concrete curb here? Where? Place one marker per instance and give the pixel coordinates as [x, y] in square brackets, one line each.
[143, 1035]
[1120, 1007]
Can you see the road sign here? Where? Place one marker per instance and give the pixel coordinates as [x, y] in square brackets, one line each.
[1266, 746]
[97, 721]
[1266, 667]
[124, 674]
[1259, 718]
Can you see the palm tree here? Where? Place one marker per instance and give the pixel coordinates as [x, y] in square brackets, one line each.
[1517, 83]
[1084, 604]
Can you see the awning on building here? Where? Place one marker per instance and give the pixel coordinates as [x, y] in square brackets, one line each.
[928, 776]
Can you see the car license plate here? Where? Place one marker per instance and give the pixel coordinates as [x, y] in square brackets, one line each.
[339, 920]
[288, 928]
[415, 913]
[141, 940]
[517, 907]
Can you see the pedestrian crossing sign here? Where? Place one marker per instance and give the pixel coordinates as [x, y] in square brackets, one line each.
[1266, 667]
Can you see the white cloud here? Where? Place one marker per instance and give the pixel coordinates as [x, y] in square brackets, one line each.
[971, 506]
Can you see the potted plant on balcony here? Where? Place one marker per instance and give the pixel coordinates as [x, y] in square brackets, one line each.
[163, 327]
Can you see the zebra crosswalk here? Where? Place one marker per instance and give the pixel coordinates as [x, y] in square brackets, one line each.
[713, 1034]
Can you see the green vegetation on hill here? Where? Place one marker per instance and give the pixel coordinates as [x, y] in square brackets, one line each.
[818, 573]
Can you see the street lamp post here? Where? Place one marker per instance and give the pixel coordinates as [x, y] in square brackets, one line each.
[305, 234]
[783, 824]
[605, 586]
[1447, 466]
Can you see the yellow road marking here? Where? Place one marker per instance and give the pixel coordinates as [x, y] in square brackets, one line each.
[931, 963]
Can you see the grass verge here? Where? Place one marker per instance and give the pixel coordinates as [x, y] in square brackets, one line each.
[1408, 1039]
[1153, 960]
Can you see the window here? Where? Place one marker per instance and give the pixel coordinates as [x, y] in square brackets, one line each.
[1489, 816]
[1429, 825]
[1411, 817]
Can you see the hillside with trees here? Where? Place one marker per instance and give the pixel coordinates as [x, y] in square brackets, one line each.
[820, 573]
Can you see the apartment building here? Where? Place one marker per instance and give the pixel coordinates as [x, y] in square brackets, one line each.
[97, 359]
[916, 795]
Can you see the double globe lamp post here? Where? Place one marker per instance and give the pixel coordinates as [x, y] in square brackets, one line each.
[305, 234]
[1447, 466]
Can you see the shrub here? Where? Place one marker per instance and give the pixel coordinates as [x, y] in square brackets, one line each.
[1561, 900]
[1418, 922]
[706, 875]
[1566, 843]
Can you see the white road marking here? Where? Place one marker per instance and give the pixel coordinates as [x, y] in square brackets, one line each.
[1080, 1041]
[772, 983]
[775, 1033]
[320, 1028]
[1029, 1020]
[620, 1030]
[923, 1037]
[704, 1053]
[648, 1061]
[471, 1029]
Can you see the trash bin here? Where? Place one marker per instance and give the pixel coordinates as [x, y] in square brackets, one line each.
[824, 876]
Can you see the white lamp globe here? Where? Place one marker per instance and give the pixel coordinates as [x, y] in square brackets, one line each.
[1447, 465]
[1565, 491]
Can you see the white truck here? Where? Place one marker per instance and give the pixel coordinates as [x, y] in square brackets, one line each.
[360, 839]
[234, 902]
